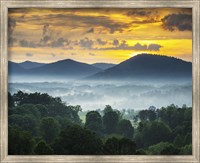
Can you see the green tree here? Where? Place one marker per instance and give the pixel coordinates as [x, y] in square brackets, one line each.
[19, 142]
[170, 150]
[162, 148]
[110, 120]
[155, 132]
[25, 122]
[43, 149]
[143, 115]
[49, 129]
[10, 100]
[151, 115]
[125, 128]
[94, 122]
[116, 146]
[186, 150]
[75, 140]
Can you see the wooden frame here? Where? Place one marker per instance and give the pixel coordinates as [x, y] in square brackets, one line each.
[5, 4]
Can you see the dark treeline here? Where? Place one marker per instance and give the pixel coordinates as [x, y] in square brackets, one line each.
[44, 125]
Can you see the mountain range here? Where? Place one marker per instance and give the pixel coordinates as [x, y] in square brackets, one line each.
[30, 65]
[145, 66]
[142, 66]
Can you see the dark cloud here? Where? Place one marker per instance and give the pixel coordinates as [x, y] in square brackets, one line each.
[150, 47]
[76, 21]
[138, 46]
[140, 12]
[73, 53]
[115, 42]
[29, 54]
[181, 22]
[91, 30]
[53, 55]
[92, 54]
[25, 43]
[154, 47]
[11, 27]
[124, 46]
[45, 34]
[45, 29]
[101, 42]
[60, 42]
[86, 43]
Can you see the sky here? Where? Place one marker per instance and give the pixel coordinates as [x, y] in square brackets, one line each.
[98, 35]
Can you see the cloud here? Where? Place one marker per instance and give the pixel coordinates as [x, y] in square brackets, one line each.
[115, 42]
[86, 43]
[76, 21]
[53, 55]
[29, 54]
[101, 42]
[154, 47]
[139, 12]
[150, 47]
[45, 34]
[138, 46]
[181, 22]
[73, 53]
[124, 46]
[11, 27]
[25, 43]
[92, 54]
[60, 42]
[91, 30]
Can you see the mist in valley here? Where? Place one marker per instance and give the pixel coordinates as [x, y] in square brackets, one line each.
[92, 95]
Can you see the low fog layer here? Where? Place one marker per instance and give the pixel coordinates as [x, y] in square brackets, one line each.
[93, 95]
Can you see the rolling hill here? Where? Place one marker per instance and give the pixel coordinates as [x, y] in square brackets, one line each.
[147, 66]
[30, 65]
[65, 68]
[103, 66]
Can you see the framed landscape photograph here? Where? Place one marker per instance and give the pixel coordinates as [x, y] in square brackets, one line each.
[100, 81]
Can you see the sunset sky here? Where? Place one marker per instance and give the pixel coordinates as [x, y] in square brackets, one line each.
[98, 35]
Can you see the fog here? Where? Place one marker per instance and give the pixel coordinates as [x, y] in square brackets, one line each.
[92, 95]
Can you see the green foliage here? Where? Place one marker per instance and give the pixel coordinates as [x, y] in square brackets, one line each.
[43, 149]
[27, 109]
[75, 140]
[154, 132]
[166, 131]
[94, 122]
[20, 142]
[110, 120]
[116, 146]
[125, 128]
[49, 129]
[163, 148]
[186, 150]
[10, 100]
[25, 122]
[170, 150]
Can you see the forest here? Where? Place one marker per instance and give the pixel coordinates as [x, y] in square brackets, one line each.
[40, 124]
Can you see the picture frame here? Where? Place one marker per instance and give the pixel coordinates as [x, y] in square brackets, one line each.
[6, 4]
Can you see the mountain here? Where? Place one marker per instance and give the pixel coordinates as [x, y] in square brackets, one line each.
[103, 66]
[65, 68]
[15, 68]
[148, 66]
[30, 65]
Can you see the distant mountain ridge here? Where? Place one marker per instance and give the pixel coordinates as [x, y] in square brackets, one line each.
[103, 66]
[142, 66]
[63, 68]
[145, 66]
[30, 65]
